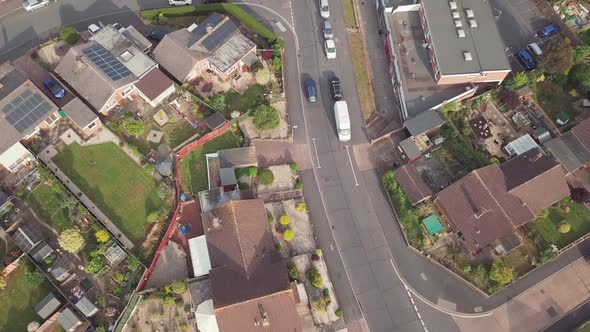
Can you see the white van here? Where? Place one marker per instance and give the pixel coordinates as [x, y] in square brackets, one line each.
[342, 120]
[535, 50]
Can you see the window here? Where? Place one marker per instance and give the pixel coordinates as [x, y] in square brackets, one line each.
[110, 104]
[51, 119]
[127, 91]
[92, 125]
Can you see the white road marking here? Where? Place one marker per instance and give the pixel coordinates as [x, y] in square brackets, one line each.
[280, 26]
[356, 183]
[316, 152]
[423, 276]
[413, 305]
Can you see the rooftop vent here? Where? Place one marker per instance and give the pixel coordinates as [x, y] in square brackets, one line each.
[209, 27]
[192, 27]
[458, 23]
[453, 4]
[467, 56]
[469, 13]
[126, 56]
[455, 14]
[473, 23]
[461, 33]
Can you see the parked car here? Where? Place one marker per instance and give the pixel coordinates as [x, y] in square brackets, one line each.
[330, 49]
[93, 28]
[324, 9]
[526, 59]
[30, 5]
[56, 90]
[336, 88]
[535, 50]
[327, 30]
[156, 35]
[549, 30]
[118, 27]
[312, 95]
[180, 2]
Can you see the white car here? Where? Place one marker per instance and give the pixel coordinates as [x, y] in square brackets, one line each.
[93, 28]
[118, 27]
[324, 9]
[180, 2]
[30, 5]
[330, 49]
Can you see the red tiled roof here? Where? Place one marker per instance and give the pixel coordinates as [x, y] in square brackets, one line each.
[412, 184]
[154, 83]
[582, 131]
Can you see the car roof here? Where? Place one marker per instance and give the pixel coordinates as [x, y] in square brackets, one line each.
[327, 23]
[330, 43]
[309, 81]
[550, 27]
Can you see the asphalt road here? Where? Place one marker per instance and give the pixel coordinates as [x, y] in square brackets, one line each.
[572, 320]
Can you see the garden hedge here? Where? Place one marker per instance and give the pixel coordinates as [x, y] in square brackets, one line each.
[223, 8]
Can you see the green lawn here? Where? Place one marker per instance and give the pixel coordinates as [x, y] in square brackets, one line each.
[193, 167]
[47, 205]
[546, 229]
[361, 75]
[115, 183]
[245, 101]
[349, 14]
[18, 301]
[174, 135]
[554, 100]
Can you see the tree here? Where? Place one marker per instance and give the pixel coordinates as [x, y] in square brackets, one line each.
[262, 76]
[179, 287]
[548, 254]
[315, 278]
[298, 185]
[71, 240]
[133, 127]
[579, 77]
[2, 283]
[266, 177]
[293, 167]
[102, 236]
[339, 313]
[293, 271]
[501, 272]
[266, 117]
[69, 35]
[558, 56]
[276, 64]
[580, 195]
[217, 102]
[564, 228]
[284, 220]
[34, 277]
[516, 81]
[448, 108]
[510, 99]
[288, 235]
[301, 207]
[580, 52]
[252, 171]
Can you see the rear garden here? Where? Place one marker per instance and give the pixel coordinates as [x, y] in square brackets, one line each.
[124, 191]
[552, 224]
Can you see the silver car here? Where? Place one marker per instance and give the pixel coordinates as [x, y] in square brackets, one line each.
[327, 30]
[30, 5]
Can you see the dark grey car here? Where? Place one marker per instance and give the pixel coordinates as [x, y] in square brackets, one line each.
[311, 91]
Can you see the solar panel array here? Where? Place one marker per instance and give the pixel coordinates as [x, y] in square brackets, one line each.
[107, 63]
[25, 110]
[218, 36]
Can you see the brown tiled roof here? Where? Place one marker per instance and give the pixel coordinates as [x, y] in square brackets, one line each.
[279, 310]
[412, 184]
[537, 179]
[244, 262]
[471, 210]
[582, 131]
[154, 83]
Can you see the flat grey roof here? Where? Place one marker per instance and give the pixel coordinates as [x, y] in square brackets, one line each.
[238, 157]
[78, 112]
[47, 306]
[68, 319]
[483, 42]
[424, 122]
[569, 151]
[410, 148]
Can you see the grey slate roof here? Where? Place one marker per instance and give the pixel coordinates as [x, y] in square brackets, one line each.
[238, 157]
[27, 237]
[68, 319]
[410, 148]
[41, 251]
[86, 307]
[47, 306]
[424, 122]
[483, 42]
[569, 151]
[78, 112]
[137, 38]
[231, 51]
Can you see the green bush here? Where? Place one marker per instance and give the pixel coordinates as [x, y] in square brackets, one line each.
[133, 127]
[243, 186]
[265, 117]
[241, 172]
[179, 287]
[71, 240]
[293, 272]
[516, 81]
[69, 35]
[580, 77]
[278, 247]
[298, 185]
[580, 52]
[102, 236]
[270, 218]
[252, 171]
[153, 217]
[301, 207]
[339, 313]
[501, 272]
[266, 177]
[284, 220]
[288, 235]
[293, 167]
[315, 278]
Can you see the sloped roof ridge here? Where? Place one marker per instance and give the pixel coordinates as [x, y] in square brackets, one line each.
[237, 228]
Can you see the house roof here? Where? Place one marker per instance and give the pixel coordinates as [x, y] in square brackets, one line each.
[47, 306]
[275, 312]
[238, 157]
[537, 179]
[68, 319]
[411, 182]
[569, 150]
[231, 51]
[424, 122]
[521, 145]
[582, 131]
[483, 42]
[199, 256]
[86, 307]
[244, 262]
[40, 251]
[23, 106]
[154, 83]
[137, 38]
[79, 113]
[410, 148]
[27, 237]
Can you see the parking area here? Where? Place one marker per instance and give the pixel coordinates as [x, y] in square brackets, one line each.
[518, 22]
